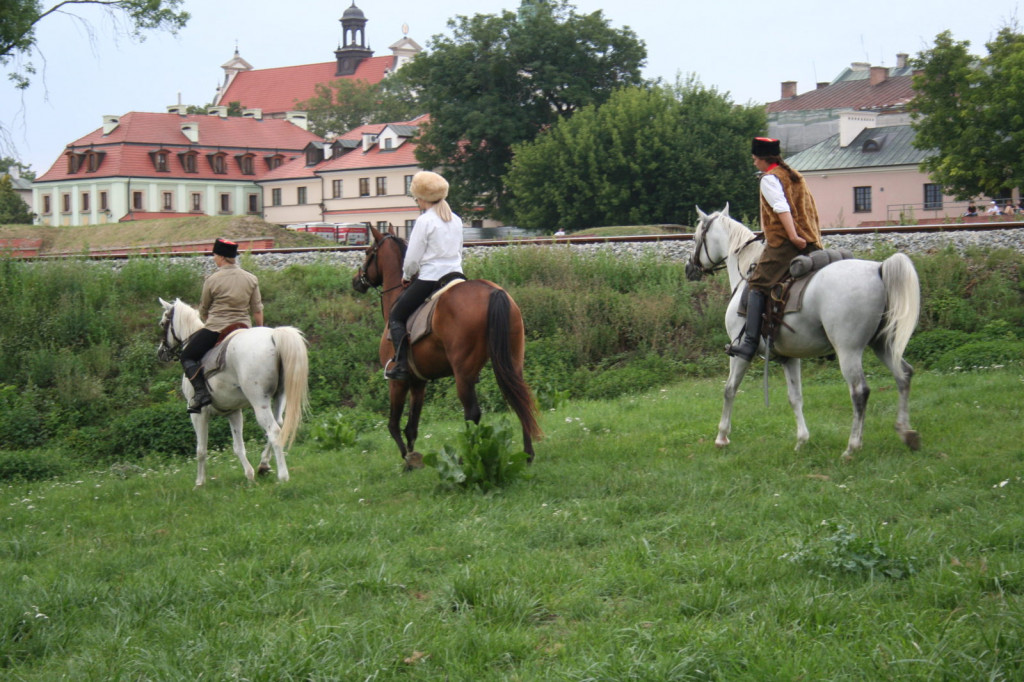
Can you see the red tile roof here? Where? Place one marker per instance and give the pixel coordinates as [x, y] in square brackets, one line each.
[127, 148]
[852, 94]
[281, 89]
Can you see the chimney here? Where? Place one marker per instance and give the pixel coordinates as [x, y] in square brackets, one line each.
[901, 60]
[879, 74]
[218, 111]
[109, 123]
[298, 118]
[253, 113]
[822, 84]
[178, 109]
[788, 89]
[368, 141]
[191, 131]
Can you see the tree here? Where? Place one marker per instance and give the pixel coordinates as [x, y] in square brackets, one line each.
[645, 156]
[19, 19]
[7, 163]
[13, 211]
[969, 111]
[344, 104]
[499, 79]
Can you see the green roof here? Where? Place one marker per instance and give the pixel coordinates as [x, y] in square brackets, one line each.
[872, 148]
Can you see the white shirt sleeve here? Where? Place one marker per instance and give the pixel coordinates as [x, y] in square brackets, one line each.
[771, 190]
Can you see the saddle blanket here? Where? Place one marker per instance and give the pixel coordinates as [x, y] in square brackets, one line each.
[213, 361]
[420, 322]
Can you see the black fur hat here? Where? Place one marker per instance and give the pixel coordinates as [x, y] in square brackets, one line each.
[223, 247]
[765, 146]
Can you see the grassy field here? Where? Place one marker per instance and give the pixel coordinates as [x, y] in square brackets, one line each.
[635, 550]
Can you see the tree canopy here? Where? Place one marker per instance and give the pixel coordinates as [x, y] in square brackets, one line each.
[344, 104]
[20, 17]
[645, 156]
[968, 110]
[13, 211]
[499, 79]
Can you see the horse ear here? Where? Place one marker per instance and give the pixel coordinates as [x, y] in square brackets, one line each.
[391, 229]
[725, 211]
[165, 304]
[701, 214]
[376, 234]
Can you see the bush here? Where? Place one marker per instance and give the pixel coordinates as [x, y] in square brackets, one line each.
[32, 465]
[484, 458]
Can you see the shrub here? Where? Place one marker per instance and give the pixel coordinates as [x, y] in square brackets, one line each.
[484, 459]
[846, 551]
[32, 465]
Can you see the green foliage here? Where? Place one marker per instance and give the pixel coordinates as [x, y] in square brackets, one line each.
[484, 458]
[13, 209]
[644, 156]
[844, 550]
[344, 104]
[969, 111]
[499, 79]
[32, 465]
[332, 432]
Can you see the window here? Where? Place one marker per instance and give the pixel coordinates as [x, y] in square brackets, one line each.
[245, 164]
[382, 225]
[217, 164]
[476, 223]
[274, 161]
[862, 200]
[47, 209]
[65, 203]
[932, 197]
[85, 201]
[197, 202]
[74, 162]
[225, 203]
[408, 225]
[137, 203]
[389, 143]
[275, 196]
[168, 201]
[382, 186]
[188, 162]
[254, 203]
[314, 155]
[159, 161]
[93, 160]
[364, 187]
[300, 197]
[104, 205]
[336, 189]
[408, 185]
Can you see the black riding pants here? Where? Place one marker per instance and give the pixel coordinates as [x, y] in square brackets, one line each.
[197, 345]
[411, 299]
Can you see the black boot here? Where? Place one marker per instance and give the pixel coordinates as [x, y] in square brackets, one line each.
[194, 372]
[398, 368]
[752, 333]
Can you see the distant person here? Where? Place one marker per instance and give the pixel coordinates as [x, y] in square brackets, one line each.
[972, 211]
[993, 208]
[1009, 209]
[229, 295]
[789, 221]
[559, 232]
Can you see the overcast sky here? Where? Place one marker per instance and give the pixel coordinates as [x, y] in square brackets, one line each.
[743, 47]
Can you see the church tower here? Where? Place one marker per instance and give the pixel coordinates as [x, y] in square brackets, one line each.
[353, 48]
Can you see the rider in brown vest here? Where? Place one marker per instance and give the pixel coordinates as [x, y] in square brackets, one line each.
[789, 222]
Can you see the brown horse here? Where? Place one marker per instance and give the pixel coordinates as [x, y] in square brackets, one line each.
[474, 321]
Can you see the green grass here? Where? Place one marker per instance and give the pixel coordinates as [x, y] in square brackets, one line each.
[634, 550]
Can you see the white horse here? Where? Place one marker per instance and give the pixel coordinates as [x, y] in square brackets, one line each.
[263, 367]
[847, 306]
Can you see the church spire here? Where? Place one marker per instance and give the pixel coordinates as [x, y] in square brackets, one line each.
[353, 48]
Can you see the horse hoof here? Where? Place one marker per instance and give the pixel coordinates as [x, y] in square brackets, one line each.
[721, 442]
[912, 439]
[263, 470]
[413, 460]
[846, 457]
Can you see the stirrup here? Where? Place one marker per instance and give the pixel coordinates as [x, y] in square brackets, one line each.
[394, 371]
[197, 403]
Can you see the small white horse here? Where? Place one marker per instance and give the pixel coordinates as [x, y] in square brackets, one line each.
[847, 306]
[263, 367]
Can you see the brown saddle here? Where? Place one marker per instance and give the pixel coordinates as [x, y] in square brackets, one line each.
[420, 323]
[213, 360]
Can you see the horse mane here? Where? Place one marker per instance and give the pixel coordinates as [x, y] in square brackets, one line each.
[739, 236]
[187, 316]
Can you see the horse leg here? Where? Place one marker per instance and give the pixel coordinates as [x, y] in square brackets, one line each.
[737, 368]
[417, 394]
[201, 424]
[238, 443]
[278, 412]
[910, 437]
[794, 389]
[398, 390]
[852, 366]
[268, 420]
[466, 388]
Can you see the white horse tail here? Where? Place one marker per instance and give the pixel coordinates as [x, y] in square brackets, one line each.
[903, 304]
[291, 345]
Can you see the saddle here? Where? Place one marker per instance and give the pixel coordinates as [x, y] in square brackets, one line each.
[420, 323]
[788, 295]
[213, 360]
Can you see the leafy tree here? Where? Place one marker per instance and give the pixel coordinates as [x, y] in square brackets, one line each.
[344, 104]
[13, 211]
[645, 156]
[7, 163]
[499, 79]
[19, 19]
[969, 111]
[234, 108]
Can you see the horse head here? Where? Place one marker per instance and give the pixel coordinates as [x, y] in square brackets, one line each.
[702, 261]
[170, 344]
[370, 274]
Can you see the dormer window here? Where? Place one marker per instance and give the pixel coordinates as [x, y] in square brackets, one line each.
[74, 162]
[160, 160]
[275, 161]
[245, 163]
[218, 163]
[93, 159]
[872, 145]
[188, 161]
[389, 143]
[313, 155]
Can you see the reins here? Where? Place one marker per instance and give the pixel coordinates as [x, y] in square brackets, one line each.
[371, 256]
[170, 352]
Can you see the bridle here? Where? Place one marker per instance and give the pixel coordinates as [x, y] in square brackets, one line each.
[371, 257]
[165, 352]
[701, 244]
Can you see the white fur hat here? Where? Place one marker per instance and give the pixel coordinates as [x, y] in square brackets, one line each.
[429, 186]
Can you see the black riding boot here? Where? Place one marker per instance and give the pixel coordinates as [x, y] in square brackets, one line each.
[752, 333]
[398, 368]
[194, 372]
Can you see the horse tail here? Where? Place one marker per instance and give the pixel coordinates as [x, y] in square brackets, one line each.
[902, 306]
[509, 377]
[291, 348]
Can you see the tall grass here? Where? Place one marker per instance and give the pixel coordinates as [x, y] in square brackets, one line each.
[635, 550]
